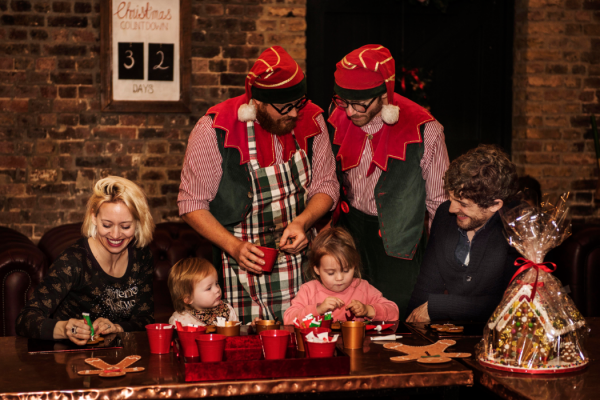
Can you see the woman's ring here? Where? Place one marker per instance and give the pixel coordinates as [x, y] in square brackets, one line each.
[74, 330]
[108, 326]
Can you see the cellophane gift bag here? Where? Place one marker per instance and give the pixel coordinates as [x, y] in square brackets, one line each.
[536, 328]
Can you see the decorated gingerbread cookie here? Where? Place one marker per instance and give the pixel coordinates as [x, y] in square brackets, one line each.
[432, 354]
[111, 371]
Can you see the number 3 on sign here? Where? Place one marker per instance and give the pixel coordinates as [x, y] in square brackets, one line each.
[131, 61]
[160, 61]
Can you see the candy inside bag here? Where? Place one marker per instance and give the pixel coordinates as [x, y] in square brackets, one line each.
[536, 328]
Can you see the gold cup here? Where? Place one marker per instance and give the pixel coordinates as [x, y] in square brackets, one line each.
[299, 340]
[353, 333]
[266, 325]
[231, 328]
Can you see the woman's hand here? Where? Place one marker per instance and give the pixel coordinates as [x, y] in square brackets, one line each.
[103, 326]
[361, 310]
[329, 304]
[76, 330]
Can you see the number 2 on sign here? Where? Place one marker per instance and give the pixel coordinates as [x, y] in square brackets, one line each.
[162, 59]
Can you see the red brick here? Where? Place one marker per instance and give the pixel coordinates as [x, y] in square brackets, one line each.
[84, 36]
[47, 119]
[114, 147]
[137, 120]
[543, 133]
[94, 148]
[15, 105]
[13, 162]
[69, 105]
[564, 108]
[286, 11]
[115, 132]
[7, 147]
[579, 159]
[558, 171]
[45, 63]
[44, 147]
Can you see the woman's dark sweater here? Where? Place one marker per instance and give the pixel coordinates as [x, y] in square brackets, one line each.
[76, 284]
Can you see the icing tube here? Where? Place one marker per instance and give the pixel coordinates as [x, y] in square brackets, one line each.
[86, 316]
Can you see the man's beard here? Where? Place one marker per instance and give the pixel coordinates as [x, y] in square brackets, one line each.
[365, 118]
[473, 223]
[282, 126]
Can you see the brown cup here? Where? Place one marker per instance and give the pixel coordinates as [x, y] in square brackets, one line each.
[266, 325]
[230, 329]
[299, 340]
[353, 333]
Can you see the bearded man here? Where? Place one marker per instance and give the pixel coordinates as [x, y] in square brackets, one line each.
[468, 262]
[391, 156]
[259, 171]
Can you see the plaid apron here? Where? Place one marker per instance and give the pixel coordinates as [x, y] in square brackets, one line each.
[279, 195]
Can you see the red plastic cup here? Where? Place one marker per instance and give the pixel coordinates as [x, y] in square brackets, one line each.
[274, 344]
[188, 340]
[270, 258]
[211, 347]
[159, 338]
[315, 331]
[320, 350]
[326, 324]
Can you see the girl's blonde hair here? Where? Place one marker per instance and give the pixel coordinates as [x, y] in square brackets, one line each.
[116, 189]
[183, 276]
[337, 243]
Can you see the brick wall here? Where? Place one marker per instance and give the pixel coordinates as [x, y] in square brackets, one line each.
[54, 140]
[556, 88]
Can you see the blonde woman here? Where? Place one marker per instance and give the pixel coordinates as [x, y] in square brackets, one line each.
[107, 273]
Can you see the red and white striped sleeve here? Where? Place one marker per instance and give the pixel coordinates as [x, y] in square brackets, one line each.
[202, 170]
[324, 179]
[434, 164]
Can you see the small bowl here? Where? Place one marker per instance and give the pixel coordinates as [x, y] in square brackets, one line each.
[230, 329]
[266, 325]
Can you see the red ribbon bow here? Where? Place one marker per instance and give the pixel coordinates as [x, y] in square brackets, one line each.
[525, 264]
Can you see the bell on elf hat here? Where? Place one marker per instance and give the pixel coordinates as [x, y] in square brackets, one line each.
[275, 78]
[365, 73]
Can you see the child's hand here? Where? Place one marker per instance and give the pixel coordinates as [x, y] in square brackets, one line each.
[254, 322]
[361, 310]
[329, 304]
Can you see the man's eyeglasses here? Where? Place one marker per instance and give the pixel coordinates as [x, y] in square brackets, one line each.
[358, 107]
[287, 108]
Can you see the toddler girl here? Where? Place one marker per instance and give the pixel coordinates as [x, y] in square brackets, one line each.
[334, 266]
[196, 294]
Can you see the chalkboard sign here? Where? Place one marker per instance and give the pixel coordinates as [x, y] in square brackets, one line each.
[146, 55]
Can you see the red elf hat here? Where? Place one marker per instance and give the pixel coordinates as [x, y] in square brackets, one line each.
[368, 72]
[274, 78]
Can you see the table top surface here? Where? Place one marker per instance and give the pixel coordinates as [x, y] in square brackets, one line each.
[53, 373]
[583, 384]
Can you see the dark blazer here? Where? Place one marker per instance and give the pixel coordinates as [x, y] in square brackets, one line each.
[473, 292]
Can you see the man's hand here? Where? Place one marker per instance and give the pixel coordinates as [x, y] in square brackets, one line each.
[294, 238]
[249, 257]
[419, 314]
[361, 310]
[329, 304]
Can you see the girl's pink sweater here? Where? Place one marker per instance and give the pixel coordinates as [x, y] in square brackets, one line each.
[314, 293]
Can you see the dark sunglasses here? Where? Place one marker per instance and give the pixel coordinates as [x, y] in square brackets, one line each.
[287, 108]
[358, 107]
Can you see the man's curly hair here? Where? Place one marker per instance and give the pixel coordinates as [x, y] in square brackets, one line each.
[482, 175]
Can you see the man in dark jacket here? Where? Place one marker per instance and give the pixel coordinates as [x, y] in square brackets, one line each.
[468, 262]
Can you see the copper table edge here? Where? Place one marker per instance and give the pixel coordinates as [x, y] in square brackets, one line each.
[267, 386]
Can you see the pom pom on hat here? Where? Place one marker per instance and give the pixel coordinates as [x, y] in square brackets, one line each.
[390, 113]
[247, 112]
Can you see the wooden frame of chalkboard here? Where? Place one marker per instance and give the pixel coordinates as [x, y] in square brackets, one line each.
[120, 77]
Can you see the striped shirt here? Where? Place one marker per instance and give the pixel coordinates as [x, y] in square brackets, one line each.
[202, 170]
[360, 188]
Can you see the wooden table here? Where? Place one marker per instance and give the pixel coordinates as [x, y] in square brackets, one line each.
[577, 385]
[52, 375]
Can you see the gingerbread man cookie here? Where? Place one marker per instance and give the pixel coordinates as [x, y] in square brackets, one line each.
[111, 371]
[432, 354]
